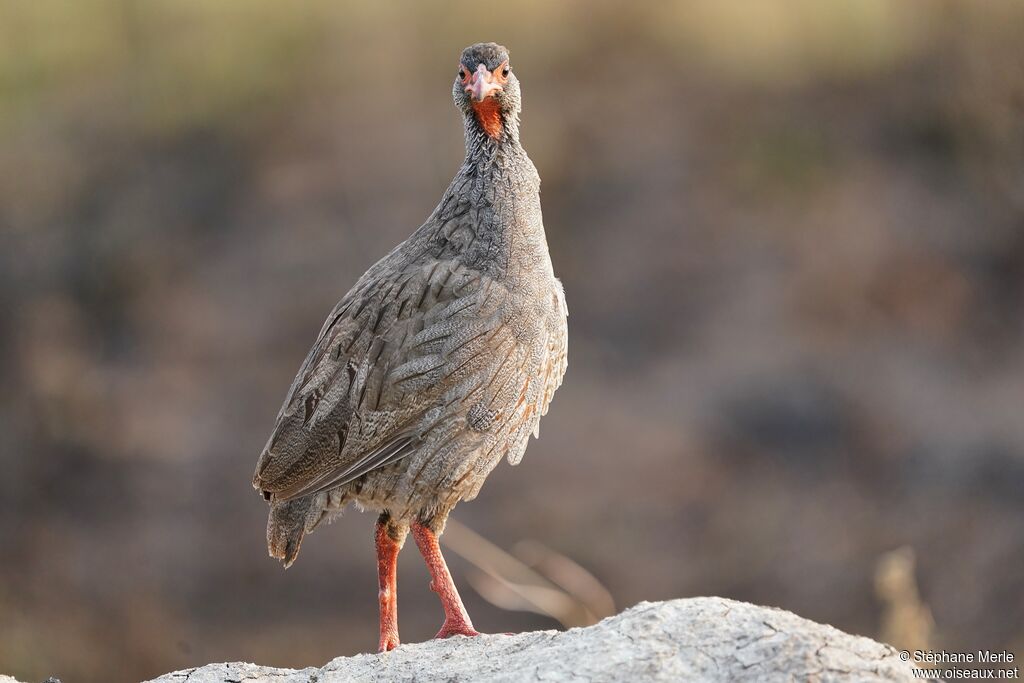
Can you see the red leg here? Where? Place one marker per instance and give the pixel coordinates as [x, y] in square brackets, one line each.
[456, 620]
[387, 557]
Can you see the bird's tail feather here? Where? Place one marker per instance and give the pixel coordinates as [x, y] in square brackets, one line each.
[288, 523]
[291, 520]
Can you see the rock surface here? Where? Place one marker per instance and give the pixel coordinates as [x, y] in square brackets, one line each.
[698, 639]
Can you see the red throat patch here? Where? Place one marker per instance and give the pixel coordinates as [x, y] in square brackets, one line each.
[488, 115]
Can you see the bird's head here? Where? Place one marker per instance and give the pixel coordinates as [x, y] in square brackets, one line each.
[486, 88]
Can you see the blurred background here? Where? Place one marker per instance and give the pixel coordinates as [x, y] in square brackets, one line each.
[791, 235]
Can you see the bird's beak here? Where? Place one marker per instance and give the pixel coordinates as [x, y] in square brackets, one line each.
[483, 84]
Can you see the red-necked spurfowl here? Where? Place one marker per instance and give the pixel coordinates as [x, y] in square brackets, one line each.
[437, 363]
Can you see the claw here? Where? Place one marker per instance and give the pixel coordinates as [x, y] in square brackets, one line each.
[388, 642]
[449, 630]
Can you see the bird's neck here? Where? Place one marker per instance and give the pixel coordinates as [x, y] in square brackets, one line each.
[489, 131]
[490, 215]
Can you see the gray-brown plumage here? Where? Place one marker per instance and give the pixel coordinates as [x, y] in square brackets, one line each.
[440, 360]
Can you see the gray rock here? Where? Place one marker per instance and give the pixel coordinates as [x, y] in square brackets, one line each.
[697, 639]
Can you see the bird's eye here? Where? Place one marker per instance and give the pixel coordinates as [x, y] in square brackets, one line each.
[504, 72]
[462, 74]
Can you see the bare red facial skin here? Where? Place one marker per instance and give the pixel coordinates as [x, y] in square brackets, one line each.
[488, 84]
[488, 115]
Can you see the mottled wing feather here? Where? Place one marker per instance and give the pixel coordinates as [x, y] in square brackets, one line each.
[375, 370]
[392, 451]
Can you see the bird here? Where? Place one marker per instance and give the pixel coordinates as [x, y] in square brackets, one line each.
[439, 361]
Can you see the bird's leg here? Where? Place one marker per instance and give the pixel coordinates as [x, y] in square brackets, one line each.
[456, 620]
[390, 538]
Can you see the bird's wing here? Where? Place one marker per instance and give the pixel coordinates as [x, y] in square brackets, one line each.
[381, 362]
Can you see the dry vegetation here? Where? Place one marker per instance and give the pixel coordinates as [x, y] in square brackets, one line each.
[792, 239]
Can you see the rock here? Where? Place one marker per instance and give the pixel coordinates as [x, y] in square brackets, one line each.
[697, 639]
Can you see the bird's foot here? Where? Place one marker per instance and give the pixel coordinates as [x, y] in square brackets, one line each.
[456, 628]
[388, 642]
